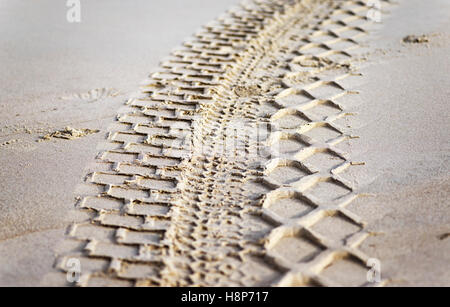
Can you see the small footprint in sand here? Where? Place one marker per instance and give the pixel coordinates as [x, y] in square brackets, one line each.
[9, 142]
[93, 95]
[416, 39]
[68, 133]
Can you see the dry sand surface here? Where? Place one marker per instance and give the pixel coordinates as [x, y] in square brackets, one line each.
[354, 164]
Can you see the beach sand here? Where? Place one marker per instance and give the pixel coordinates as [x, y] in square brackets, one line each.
[44, 59]
[57, 74]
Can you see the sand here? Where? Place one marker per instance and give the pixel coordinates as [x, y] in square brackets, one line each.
[48, 64]
[401, 120]
[404, 139]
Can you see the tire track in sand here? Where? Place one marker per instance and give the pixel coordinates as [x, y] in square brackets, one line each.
[170, 202]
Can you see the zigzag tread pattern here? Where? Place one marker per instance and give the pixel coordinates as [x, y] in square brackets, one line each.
[170, 203]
